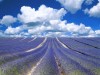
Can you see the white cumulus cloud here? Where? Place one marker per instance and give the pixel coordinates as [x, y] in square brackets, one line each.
[94, 11]
[62, 28]
[43, 14]
[45, 21]
[97, 32]
[11, 30]
[7, 20]
[71, 5]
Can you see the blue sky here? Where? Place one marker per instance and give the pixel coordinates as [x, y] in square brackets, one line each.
[65, 18]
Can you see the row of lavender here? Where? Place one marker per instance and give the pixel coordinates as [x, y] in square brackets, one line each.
[83, 53]
[11, 45]
[78, 58]
[20, 62]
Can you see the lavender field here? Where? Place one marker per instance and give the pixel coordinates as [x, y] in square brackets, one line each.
[49, 56]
